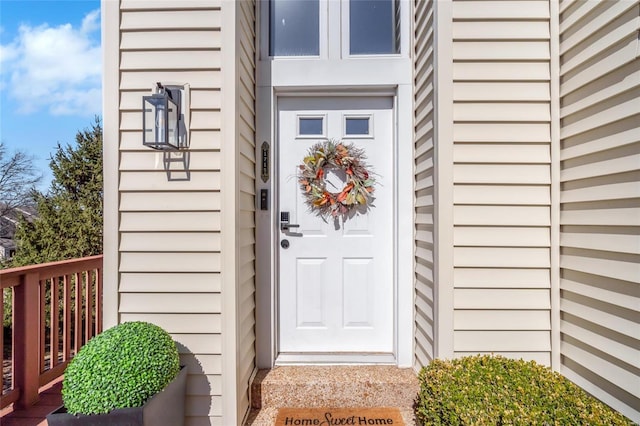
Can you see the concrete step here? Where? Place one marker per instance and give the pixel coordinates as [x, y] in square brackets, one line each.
[331, 386]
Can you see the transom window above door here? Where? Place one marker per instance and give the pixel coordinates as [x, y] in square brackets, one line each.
[374, 27]
[304, 27]
[294, 28]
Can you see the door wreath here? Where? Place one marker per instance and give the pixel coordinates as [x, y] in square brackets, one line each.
[356, 195]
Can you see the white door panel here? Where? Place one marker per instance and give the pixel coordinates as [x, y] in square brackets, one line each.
[336, 291]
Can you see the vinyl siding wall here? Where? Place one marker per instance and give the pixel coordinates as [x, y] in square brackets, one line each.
[501, 172]
[424, 152]
[246, 201]
[171, 238]
[600, 199]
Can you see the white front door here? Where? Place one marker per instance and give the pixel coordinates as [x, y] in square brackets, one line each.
[336, 287]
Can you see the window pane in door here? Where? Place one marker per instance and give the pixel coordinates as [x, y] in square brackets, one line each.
[311, 126]
[295, 28]
[357, 126]
[373, 27]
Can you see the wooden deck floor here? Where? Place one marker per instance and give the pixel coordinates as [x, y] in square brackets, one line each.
[50, 399]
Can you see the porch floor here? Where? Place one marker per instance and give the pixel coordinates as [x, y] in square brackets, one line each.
[50, 399]
[333, 386]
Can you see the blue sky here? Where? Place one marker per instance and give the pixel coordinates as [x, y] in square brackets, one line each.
[50, 74]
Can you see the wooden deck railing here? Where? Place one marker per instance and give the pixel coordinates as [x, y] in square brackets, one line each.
[56, 308]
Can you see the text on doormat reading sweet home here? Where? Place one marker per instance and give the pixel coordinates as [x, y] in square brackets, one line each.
[330, 420]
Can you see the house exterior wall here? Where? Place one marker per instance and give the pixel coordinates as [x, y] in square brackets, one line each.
[180, 241]
[492, 169]
[500, 264]
[600, 218]
[424, 152]
[245, 199]
[501, 175]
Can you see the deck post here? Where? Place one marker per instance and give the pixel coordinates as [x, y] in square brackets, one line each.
[26, 322]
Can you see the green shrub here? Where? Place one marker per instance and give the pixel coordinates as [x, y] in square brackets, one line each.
[493, 390]
[120, 368]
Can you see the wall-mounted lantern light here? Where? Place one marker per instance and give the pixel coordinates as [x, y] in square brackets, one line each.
[162, 119]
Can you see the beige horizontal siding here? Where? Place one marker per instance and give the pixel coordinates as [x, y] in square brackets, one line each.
[500, 30]
[502, 71]
[141, 60]
[475, 298]
[525, 278]
[160, 40]
[502, 91]
[501, 257]
[505, 340]
[424, 171]
[169, 262]
[141, 161]
[501, 50]
[170, 302]
[245, 233]
[170, 282]
[600, 199]
[167, 201]
[183, 4]
[502, 178]
[501, 194]
[502, 173]
[152, 18]
[496, 320]
[170, 211]
[502, 236]
[170, 221]
[501, 215]
[521, 133]
[506, 10]
[153, 180]
[176, 241]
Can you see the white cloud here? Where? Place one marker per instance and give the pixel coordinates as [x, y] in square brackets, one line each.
[57, 69]
[91, 22]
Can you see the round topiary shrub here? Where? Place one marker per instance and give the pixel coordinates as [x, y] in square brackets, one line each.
[120, 368]
[493, 390]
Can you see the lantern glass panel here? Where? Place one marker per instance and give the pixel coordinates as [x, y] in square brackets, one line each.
[172, 124]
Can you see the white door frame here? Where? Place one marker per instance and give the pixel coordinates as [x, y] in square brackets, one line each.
[267, 231]
[355, 105]
[333, 72]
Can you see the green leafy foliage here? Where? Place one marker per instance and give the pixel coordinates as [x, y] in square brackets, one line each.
[120, 368]
[69, 223]
[493, 390]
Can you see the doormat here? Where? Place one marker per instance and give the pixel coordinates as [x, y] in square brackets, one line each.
[339, 417]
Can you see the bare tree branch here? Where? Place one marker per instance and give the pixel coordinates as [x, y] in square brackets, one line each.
[18, 178]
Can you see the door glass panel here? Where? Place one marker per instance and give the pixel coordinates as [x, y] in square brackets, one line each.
[310, 126]
[357, 126]
[294, 28]
[373, 27]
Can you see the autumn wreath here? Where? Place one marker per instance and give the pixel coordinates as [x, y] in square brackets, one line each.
[356, 194]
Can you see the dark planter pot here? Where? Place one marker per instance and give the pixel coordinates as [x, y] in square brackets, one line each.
[165, 408]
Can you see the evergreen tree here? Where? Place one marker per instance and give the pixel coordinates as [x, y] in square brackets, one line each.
[69, 222]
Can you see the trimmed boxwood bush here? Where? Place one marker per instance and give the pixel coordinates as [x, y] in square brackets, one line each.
[493, 390]
[120, 368]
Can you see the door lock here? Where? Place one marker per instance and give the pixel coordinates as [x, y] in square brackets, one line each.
[284, 244]
[284, 222]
